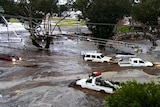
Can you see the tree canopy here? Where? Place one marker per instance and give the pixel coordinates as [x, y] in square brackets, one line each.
[37, 9]
[8, 6]
[102, 15]
[147, 12]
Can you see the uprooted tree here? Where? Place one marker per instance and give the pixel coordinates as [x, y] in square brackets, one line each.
[32, 13]
[37, 11]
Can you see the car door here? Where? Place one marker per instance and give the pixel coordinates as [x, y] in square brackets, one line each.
[135, 63]
[141, 63]
[89, 84]
[98, 58]
[87, 58]
[94, 58]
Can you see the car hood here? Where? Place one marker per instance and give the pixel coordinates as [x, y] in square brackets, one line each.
[149, 63]
[81, 81]
[106, 57]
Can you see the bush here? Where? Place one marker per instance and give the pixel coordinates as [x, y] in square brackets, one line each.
[134, 94]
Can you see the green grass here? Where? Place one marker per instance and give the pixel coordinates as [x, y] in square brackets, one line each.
[69, 22]
[65, 22]
[13, 20]
[124, 29]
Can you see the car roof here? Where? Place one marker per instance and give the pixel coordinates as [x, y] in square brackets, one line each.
[136, 58]
[125, 53]
[93, 54]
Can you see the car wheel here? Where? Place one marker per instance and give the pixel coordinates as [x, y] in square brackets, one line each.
[102, 91]
[82, 86]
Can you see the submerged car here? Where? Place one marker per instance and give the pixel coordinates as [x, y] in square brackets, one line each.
[96, 82]
[10, 57]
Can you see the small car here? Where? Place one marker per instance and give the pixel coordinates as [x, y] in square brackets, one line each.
[10, 57]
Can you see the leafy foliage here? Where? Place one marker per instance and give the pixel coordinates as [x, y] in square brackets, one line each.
[134, 94]
[106, 12]
[147, 11]
[36, 9]
[9, 6]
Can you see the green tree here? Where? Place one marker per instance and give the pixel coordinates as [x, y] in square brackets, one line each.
[134, 94]
[147, 11]
[101, 16]
[8, 6]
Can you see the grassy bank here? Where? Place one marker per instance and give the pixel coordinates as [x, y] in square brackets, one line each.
[68, 22]
[65, 22]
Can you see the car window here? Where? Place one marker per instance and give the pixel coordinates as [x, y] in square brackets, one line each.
[11, 55]
[98, 81]
[141, 62]
[135, 61]
[89, 80]
[101, 56]
[87, 55]
[98, 57]
[93, 56]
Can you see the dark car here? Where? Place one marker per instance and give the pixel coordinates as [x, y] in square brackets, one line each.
[10, 57]
[125, 55]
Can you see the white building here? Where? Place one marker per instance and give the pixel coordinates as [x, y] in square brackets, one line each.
[62, 2]
[137, 1]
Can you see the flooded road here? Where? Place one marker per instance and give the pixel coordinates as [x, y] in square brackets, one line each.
[41, 79]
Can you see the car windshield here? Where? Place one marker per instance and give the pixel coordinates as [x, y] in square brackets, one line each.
[101, 56]
[141, 61]
[11, 55]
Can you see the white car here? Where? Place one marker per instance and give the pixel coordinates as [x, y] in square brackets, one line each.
[97, 83]
[135, 62]
[96, 57]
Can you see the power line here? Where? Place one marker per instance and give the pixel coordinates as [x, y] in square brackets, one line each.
[109, 24]
[27, 18]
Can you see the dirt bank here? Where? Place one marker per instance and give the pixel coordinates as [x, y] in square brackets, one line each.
[105, 67]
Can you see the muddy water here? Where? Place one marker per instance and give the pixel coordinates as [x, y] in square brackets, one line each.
[41, 79]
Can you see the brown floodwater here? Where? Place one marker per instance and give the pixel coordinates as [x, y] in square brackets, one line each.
[63, 59]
